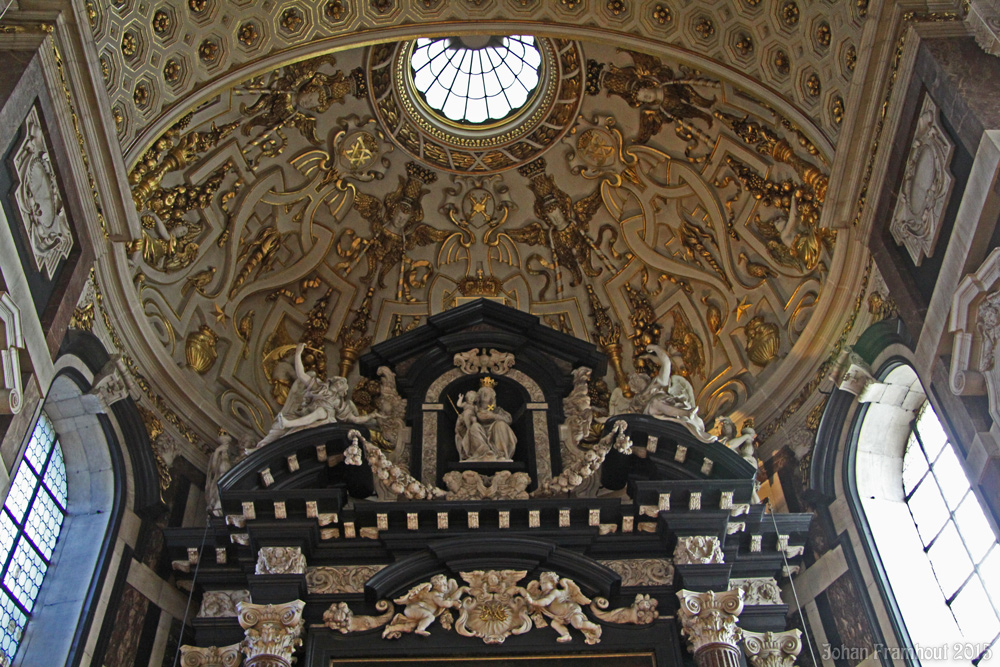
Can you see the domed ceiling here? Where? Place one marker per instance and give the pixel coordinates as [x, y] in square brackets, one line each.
[638, 198]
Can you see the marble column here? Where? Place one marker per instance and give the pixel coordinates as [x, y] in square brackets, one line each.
[772, 649]
[212, 656]
[273, 632]
[708, 623]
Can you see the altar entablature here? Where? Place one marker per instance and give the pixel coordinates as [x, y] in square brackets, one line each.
[505, 509]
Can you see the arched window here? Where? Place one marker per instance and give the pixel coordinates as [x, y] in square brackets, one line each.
[940, 557]
[955, 534]
[30, 522]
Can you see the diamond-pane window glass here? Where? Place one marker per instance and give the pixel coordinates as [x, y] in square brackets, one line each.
[476, 80]
[962, 548]
[30, 522]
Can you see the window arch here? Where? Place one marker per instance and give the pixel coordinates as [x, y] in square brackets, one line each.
[929, 534]
[30, 522]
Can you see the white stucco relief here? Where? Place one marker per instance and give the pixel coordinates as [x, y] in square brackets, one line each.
[926, 187]
[975, 321]
[39, 201]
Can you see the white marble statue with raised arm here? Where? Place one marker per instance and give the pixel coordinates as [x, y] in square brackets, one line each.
[313, 402]
[483, 431]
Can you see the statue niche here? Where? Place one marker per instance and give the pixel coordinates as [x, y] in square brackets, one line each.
[483, 430]
[488, 416]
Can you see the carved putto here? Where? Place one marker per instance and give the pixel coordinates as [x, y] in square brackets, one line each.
[424, 604]
[559, 600]
[494, 606]
[471, 485]
[492, 361]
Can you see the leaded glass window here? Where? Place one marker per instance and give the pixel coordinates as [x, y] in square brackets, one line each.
[29, 527]
[475, 81]
[956, 536]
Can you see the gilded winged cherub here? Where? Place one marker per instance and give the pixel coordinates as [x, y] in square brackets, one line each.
[560, 601]
[424, 604]
[564, 226]
[300, 88]
[396, 225]
[653, 87]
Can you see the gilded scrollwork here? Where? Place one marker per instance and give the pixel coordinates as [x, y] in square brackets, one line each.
[297, 238]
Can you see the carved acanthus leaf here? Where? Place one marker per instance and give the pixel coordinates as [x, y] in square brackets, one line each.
[641, 612]
[340, 579]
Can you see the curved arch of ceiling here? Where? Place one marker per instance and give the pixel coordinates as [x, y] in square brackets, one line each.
[391, 34]
[745, 375]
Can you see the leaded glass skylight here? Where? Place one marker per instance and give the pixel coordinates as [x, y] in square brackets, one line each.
[30, 522]
[476, 80]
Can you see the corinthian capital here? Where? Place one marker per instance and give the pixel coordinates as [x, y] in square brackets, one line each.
[710, 618]
[212, 656]
[273, 632]
[772, 649]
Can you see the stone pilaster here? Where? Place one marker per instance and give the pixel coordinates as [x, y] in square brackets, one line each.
[273, 632]
[211, 656]
[772, 649]
[709, 624]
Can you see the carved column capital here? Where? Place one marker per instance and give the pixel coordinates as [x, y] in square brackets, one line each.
[273, 632]
[211, 656]
[772, 649]
[709, 623]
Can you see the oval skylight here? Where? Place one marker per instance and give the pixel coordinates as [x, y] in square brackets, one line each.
[476, 80]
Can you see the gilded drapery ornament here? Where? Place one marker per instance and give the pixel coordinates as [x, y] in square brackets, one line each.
[273, 632]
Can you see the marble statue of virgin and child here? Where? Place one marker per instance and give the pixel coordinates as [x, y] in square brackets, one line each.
[483, 431]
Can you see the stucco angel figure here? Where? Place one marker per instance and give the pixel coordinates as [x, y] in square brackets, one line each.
[312, 402]
[560, 601]
[742, 444]
[225, 456]
[483, 432]
[664, 396]
[425, 603]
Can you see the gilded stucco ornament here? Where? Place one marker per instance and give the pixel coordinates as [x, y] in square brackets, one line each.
[39, 199]
[306, 239]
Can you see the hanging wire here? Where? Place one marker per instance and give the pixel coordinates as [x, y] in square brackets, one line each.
[9, 3]
[791, 582]
[194, 580]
